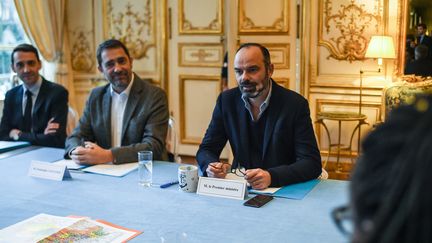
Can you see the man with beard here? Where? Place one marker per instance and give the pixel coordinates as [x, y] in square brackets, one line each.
[121, 118]
[268, 127]
[35, 111]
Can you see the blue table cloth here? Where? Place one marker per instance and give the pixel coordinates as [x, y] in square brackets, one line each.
[166, 213]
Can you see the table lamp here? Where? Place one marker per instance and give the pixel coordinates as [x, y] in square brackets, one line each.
[380, 47]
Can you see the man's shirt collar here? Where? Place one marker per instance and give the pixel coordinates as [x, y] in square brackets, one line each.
[263, 106]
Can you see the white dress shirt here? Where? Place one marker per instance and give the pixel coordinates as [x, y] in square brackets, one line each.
[118, 105]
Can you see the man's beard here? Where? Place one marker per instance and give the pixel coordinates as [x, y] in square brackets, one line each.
[120, 80]
[255, 92]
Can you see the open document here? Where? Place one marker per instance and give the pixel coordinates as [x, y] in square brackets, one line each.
[112, 170]
[49, 228]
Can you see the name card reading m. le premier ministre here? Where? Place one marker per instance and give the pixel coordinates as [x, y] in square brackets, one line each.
[48, 171]
[235, 189]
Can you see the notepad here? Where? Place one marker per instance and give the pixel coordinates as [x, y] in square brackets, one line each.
[111, 169]
[6, 146]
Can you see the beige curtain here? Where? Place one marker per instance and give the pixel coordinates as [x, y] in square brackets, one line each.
[44, 24]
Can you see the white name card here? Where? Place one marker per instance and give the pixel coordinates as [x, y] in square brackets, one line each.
[215, 187]
[48, 171]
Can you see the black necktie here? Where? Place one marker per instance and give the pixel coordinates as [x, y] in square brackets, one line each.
[27, 112]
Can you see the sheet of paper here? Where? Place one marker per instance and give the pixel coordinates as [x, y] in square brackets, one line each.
[70, 164]
[269, 190]
[35, 228]
[112, 170]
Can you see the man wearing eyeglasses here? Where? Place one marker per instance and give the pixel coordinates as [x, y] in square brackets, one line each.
[268, 127]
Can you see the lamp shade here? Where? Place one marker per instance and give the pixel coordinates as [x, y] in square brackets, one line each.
[380, 46]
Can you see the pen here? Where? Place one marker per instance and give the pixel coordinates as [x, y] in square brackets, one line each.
[168, 184]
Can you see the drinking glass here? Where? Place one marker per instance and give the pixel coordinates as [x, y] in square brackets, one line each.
[145, 168]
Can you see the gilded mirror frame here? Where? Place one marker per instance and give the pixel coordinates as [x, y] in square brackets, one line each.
[403, 18]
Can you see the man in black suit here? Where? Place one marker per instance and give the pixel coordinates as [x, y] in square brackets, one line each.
[35, 111]
[423, 39]
[269, 128]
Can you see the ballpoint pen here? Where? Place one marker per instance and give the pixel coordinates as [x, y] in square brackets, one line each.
[165, 185]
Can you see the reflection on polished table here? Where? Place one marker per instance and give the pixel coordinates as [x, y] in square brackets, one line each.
[165, 212]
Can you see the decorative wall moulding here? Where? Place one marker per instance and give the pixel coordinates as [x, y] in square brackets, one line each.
[190, 117]
[208, 21]
[253, 20]
[200, 54]
[284, 82]
[133, 23]
[82, 51]
[279, 54]
[345, 36]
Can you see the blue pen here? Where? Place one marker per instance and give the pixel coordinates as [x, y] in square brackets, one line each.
[168, 184]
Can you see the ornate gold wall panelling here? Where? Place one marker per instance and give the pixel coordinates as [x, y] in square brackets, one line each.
[345, 27]
[194, 117]
[251, 20]
[284, 82]
[279, 54]
[208, 20]
[81, 35]
[200, 54]
[134, 23]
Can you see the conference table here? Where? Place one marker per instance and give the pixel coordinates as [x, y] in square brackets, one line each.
[165, 214]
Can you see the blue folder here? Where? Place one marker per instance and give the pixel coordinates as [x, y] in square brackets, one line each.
[295, 191]
[6, 146]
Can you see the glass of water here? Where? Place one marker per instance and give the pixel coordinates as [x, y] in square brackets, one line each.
[145, 168]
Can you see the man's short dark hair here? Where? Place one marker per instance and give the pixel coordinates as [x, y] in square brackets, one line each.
[24, 48]
[423, 25]
[110, 44]
[265, 52]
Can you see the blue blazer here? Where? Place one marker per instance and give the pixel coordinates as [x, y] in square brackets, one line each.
[52, 101]
[290, 152]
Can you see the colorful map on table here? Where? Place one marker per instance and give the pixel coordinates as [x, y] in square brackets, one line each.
[45, 228]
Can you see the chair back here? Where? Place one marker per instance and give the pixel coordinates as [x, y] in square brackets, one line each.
[172, 141]
[72, 120]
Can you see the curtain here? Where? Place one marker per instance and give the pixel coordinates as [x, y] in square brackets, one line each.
[44, 23]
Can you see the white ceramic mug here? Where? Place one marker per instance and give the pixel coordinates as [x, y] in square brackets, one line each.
[188, 178]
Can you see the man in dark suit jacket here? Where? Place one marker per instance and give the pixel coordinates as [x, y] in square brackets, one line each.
[35, 111]
[423, 39]
[268, 127]
[121, 118]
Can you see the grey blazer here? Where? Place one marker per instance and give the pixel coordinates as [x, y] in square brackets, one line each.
[145, 122]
